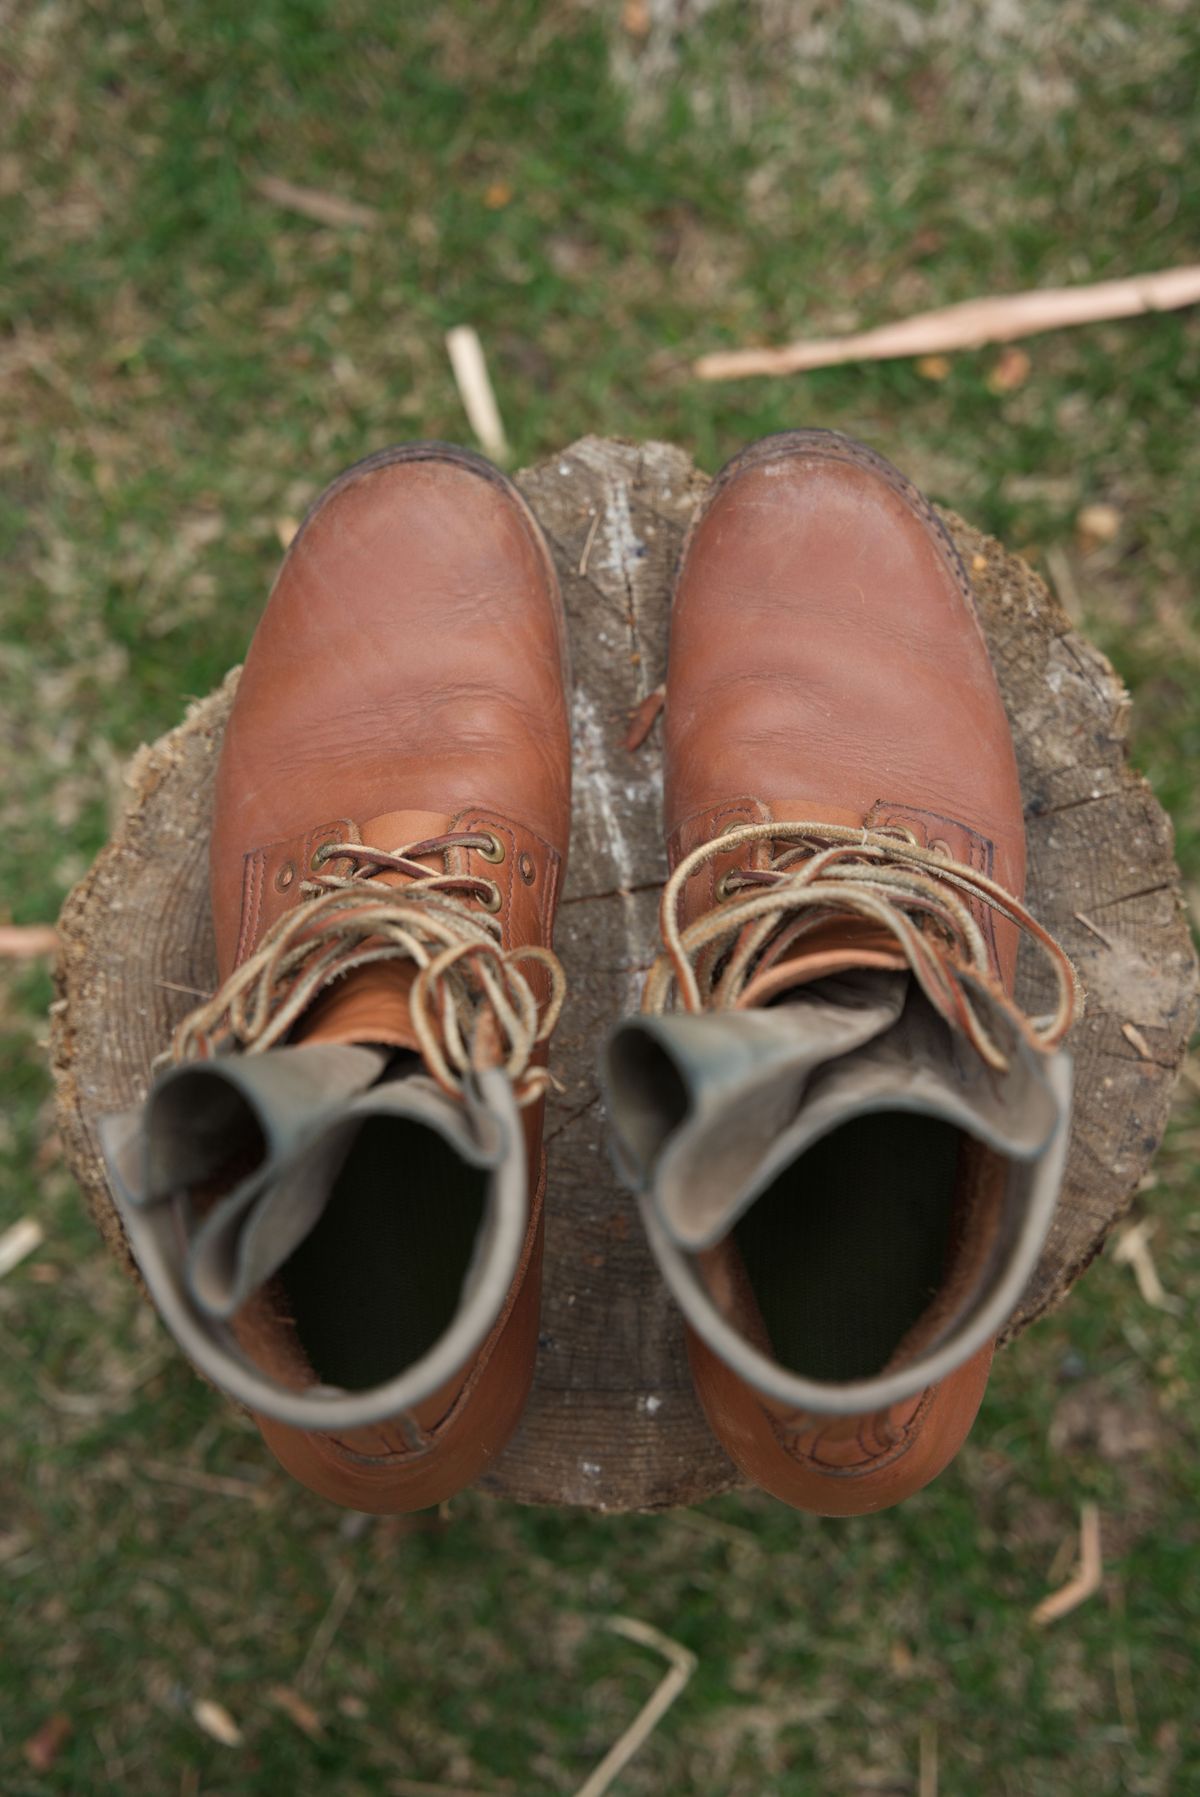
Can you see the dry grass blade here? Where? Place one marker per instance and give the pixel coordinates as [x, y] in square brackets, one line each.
[26, 941]
[1058, 564]
[1133, 1250]
[475, 390]
[188, 991]
[1122, 1666]
[312, 202]
[418, 1787]
[216, 1722]
[18, 1243]
[682, 1663]
[1137, 1041]
[1094, 928]
[42, 1749]
[1086, 1582]
[928, 1771]
[297, 1710]
[101, 1403]
[996, 318]
[327, 1628]
[698, 1522]
[643, 719]
[591, 538]
[195, 1480]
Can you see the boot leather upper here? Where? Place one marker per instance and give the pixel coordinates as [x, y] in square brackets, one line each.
[408, 678]
[827, 664]
[411, 659]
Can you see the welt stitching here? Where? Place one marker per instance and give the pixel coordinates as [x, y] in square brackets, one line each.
[253, 876]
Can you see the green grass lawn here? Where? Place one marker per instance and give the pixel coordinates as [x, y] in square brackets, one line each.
[182, 365]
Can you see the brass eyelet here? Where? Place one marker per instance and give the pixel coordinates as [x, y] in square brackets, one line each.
[723, 891]
[494, 899]
[320, 854]
[497, 851]
[285, 876]
[526, 868]
[941, 848]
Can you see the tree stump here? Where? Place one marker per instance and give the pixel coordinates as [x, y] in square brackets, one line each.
[612, 1423]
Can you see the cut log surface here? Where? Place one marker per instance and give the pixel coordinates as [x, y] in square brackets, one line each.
[612, 1423]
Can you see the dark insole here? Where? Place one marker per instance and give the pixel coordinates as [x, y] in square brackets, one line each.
[378, 1280]
[847, 1248]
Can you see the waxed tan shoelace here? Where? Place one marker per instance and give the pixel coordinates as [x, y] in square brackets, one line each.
[465, 977]
[730, 958]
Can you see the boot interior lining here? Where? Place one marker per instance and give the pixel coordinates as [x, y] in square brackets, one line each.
[848, 1248]
[378, 1280]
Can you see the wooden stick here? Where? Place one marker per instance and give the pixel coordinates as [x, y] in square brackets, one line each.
[19, 1242]
[311, 202]
[683, 1664]
[475, 390]
[1086, 1581]
[998, 318]
[1133, 1250]
[25, 941]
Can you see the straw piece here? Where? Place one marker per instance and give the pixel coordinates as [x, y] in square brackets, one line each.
[475, 390]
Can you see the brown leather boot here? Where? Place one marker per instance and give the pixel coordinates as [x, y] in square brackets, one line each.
[345, 1232]
[847, 1137]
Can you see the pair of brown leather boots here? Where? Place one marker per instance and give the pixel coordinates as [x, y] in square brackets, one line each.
[846, 1139]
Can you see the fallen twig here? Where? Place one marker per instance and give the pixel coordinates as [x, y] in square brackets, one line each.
[188, 991]
[216, 1722]
[643, 718]
[312, 202]
[1094, 928]
[1133, 1250]
[19, 1242]
[591, 538]
[683, 1664]
[1086, 1581]
[25, 941]
[475, 390]
[997, 318]
[1137, 1041]
[296, 1710]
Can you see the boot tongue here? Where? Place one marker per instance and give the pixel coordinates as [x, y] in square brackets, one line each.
[371, 1004]
[710, 1109]
[839, 945]
[698, 1102]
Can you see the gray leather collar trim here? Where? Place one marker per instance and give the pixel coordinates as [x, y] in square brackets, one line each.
[153, 1232]
[860, 1397]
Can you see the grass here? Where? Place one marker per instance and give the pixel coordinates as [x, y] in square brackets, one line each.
[183, 365]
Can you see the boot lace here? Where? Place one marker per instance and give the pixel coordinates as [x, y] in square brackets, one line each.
[471, 1003]
[730, 958]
